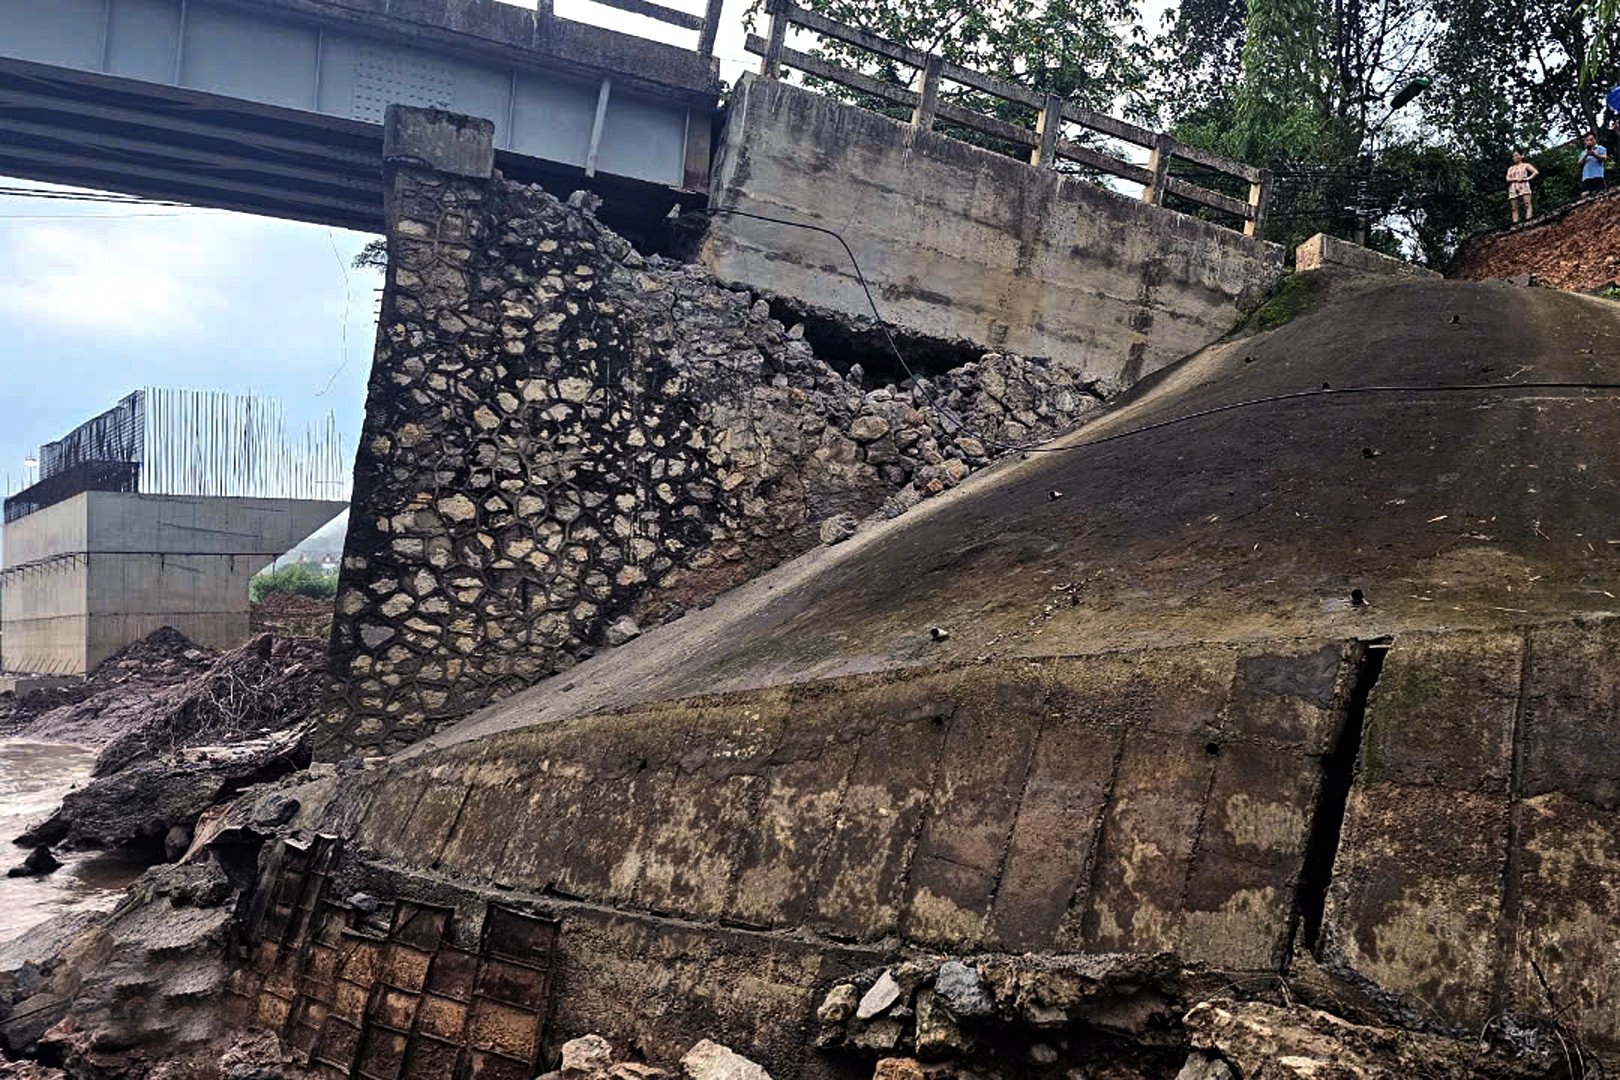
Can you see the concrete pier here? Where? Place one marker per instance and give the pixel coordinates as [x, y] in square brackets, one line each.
[86, 576]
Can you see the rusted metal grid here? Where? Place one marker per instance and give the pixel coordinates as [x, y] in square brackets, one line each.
[405, 1005]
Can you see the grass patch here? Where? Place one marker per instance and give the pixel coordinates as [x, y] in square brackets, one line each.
[1294, 296]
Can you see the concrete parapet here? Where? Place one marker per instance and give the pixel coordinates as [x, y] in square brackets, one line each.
[962, 243]
[1323, 250]
[87, 576]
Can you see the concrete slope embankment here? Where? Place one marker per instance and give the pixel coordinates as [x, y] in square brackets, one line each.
[1300, 660]
[1391, 441]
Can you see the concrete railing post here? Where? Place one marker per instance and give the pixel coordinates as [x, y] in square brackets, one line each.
[770, 66]
[1164, 148]
[1049, 127]
[928, 97]
[711, 28]
[1259, 202]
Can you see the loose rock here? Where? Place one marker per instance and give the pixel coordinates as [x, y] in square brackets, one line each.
[712, 1061]
[39, 862]
[878, 999]
[958, 985]
[839, 1004]
[838, 528]
[586, 1055]
[623, 630]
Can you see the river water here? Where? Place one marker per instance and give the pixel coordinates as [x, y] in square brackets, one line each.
[33, 778]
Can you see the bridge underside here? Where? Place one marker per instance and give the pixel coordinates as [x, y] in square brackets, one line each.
[88, 130]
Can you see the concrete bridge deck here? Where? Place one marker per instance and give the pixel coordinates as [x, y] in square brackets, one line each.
[276, 106]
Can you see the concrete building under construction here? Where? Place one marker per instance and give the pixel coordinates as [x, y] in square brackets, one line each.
[156, 513]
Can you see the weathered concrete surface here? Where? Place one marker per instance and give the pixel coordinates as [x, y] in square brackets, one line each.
[1140, 802]
[1242, 522]
[1121, 742]
[959, 242]
[805, 760]
[1324, 250]
[1480, 845]
[131, 564]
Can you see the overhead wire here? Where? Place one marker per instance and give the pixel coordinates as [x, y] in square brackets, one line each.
[1215, 410]
[160, 208]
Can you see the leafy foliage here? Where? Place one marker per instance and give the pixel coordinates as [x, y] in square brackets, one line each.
[1090, 52]
[374, 256]
[1514, 72]
[299, 579]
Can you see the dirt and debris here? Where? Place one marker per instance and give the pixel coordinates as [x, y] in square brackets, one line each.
[1130, 1015]
[111, 699]
[181, 729]
[1576, 248]
[590, 1057]
[288, 615]
[137, 991]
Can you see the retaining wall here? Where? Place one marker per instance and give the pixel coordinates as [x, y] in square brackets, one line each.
[741, 852]
[1482, 839]
[960, 242]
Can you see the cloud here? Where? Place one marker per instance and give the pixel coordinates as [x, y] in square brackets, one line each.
[156, 278]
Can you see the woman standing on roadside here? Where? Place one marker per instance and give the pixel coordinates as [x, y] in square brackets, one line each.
[1519, 175]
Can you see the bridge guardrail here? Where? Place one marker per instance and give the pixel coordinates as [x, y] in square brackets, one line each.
[707, 25]
[1046, 143]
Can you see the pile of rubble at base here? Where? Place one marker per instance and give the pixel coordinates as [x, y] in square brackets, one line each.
[590, 1057]
[289, 615]
[180, 731]
[1128, 1015]
[115, 696]
[138, 991]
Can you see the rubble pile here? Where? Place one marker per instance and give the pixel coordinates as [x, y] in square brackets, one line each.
[590, 1057]
[1130, 1016]
[137, 991]
[288, 615]
[173, 750]
[127, 686]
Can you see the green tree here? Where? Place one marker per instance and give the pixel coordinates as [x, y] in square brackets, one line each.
[1091, 52]
[1517, 72]
[1198, 58]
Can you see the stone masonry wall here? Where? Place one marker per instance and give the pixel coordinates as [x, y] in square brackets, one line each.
[563, 437]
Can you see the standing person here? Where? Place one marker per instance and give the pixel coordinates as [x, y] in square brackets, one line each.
[1519, 175]
[1594, 159]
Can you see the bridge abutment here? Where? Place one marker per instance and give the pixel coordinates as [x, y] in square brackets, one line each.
[566, 441]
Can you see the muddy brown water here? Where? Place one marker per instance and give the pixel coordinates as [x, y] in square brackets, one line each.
[33, 778]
